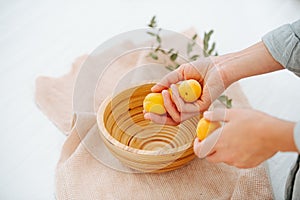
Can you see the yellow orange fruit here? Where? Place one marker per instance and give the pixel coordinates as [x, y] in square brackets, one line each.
[190, 90]
[205, 127]
[154, 103]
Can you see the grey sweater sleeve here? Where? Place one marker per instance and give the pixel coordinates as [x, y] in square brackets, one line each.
[284, 45]
[297, 136]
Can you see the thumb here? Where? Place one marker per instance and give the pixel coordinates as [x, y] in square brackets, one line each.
[206, 147]
[171, 78]
[219, 114]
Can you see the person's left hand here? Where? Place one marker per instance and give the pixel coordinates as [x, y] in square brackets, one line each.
[248, 137]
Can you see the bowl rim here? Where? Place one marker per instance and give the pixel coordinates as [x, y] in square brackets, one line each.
[103, 131]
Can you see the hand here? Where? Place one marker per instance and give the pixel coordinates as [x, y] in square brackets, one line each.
[248, 137]
[215, 74]
[209, 76]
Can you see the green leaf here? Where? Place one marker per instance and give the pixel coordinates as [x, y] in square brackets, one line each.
[176, 65]
[212, 48]
[194, 37]
[158, 39]
[173, 56]
[194, 57]
[216, 54]
[153, 19]
[206, 50]
[205, 45]
[226, 101]
[163, 51]
[153, 56]
[223, 98]
[229, 103]
[170, 67]
[157, 48]
[170, 51]
[189, 48]
[153, 23]
[150, 33]
[209, 34]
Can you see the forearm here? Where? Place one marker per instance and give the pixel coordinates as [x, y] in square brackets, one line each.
[252, 61]
[280, 134]
[279, 49]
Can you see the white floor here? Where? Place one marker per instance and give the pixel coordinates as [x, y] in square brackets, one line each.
[43, 38]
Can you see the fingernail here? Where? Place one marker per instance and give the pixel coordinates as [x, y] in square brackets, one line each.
[197, 146]
[146, 116]
[207, 114]
[174, 88]
[164, 92]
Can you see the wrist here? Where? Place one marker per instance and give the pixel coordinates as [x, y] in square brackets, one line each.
[225, 63]
[281, 135]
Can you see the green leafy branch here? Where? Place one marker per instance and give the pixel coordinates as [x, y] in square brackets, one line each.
[171, 53]
[208, 50]
[190, 47]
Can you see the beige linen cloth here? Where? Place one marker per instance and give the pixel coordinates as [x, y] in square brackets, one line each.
[79, 175]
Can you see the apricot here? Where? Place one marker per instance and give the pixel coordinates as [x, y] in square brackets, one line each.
[190, 90]
[154, 103]
[205, 127]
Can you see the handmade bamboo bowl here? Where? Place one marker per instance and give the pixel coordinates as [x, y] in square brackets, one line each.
[141, 144]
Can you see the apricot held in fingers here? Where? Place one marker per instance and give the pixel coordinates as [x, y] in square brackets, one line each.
[154, 103]
[205, 127]
[190, 90]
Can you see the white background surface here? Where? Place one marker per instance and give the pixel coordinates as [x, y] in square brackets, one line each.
[43, 38]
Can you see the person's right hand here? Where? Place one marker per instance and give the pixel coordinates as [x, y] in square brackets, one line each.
[212, 80]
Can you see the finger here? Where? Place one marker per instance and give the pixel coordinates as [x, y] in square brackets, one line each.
[171, 78]
[196, 69]
[207, 146]
[214, 158]
[217, 157]
[171, 107]
[212, 89]
[204, 102]
[219, 114]
[197, 148]
[188, 115]
[178, 101]
[181, 105]
[160, 119]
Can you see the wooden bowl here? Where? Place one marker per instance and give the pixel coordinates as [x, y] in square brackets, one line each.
[141, 144]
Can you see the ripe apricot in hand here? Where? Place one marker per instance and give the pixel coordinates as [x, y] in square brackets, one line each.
[154, 103]
[205, 127]
[190, 90]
